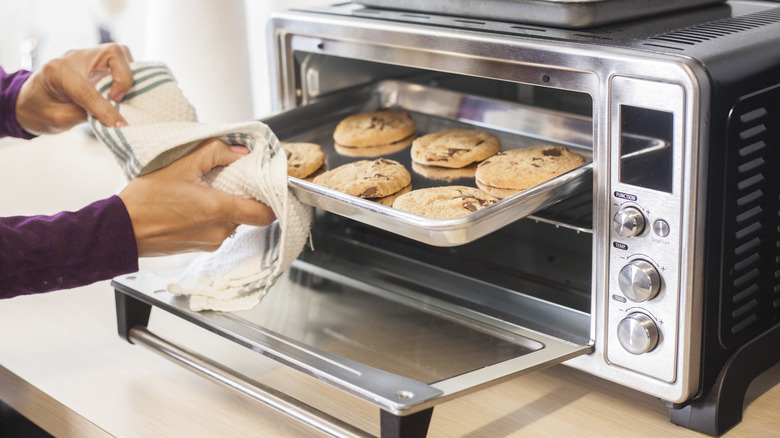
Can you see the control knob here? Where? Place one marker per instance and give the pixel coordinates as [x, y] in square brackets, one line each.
[637, 333]
[629, 222]
[639, 281]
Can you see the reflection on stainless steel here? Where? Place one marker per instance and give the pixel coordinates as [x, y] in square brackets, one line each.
[379, 332]
[434, 110]
[649, 145]
[205, 367]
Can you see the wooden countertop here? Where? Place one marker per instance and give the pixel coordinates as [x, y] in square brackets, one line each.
[63, 366]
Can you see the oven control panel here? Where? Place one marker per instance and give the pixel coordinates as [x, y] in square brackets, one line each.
[645, 235]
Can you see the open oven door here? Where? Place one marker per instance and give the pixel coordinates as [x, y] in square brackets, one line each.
[396, 348]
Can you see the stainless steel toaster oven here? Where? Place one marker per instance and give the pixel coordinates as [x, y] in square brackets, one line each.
[655, 265]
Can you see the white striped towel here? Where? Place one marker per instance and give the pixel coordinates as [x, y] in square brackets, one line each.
[162, 127]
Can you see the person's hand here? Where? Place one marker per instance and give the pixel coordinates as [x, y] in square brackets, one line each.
[173, 210]
[59, 95]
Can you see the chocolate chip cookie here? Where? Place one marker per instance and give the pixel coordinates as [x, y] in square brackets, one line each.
[444, 202]
[373, 151]
[303, 159]
[509, 172]
[382, 127]
[454, 148]
[445, 174]
[388, 200]
[367, 178]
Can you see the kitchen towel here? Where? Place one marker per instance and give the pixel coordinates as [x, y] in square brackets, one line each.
[162, 127]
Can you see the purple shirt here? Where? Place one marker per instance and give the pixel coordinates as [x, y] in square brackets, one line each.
[68, 249]
[9, 90]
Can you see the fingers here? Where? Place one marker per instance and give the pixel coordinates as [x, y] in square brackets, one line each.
[212, 153]
[77, 71]
[251, 212]
[118, 62]
[79, 89]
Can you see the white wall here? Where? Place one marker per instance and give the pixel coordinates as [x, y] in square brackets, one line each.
[61, 25]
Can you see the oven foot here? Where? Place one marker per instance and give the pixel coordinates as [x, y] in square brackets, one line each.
[408, 426]
[130, 312]
[720, 409]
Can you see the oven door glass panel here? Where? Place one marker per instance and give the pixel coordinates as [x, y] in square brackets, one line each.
[371, 341]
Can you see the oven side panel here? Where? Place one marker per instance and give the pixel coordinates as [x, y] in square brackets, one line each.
[742, 269]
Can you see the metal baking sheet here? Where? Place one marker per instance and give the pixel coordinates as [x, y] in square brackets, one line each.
[435, 109]
[559, 13]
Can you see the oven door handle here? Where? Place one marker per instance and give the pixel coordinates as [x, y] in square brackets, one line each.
[230, 379]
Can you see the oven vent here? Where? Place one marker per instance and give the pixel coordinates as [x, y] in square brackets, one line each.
[690, 36]
[751, 296]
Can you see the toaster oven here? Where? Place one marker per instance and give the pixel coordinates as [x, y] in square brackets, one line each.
[655, 265]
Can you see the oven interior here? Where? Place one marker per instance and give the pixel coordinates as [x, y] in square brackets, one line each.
[535, 272]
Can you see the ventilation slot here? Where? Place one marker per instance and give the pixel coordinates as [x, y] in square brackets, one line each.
[751, 265]
[716, 29]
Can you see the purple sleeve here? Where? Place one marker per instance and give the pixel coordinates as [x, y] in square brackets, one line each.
[68, 249]
[10, 84]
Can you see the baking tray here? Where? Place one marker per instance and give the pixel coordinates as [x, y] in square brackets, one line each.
[558, 13]
[435, 109]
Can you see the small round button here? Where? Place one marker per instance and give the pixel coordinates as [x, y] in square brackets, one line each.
[628, 222]
[661, 228]
[639, 281]
[637, 333]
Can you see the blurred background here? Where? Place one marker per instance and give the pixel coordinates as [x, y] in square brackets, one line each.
[216, 48]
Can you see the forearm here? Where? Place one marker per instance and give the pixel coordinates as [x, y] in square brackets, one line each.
[66, 250]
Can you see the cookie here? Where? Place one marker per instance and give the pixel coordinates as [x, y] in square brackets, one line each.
[375, 128]
[373, 151]
[444, 173]
[512, 171]
[367, 178]
[322, 169]
[444, 202]
[454, 148]
[303, 159]
[498, 193]
[388, 200]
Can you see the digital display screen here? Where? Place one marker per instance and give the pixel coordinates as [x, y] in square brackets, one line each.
[646, 148]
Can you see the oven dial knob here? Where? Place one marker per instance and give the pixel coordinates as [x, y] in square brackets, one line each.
[638, 333]
[629, 222]
[639, 281]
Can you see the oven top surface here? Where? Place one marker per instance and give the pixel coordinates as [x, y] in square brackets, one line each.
[562, 13]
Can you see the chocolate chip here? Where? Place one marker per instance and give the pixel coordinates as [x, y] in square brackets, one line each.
[452, 151]
[552, 152]
[472, 207]
[368, 193]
